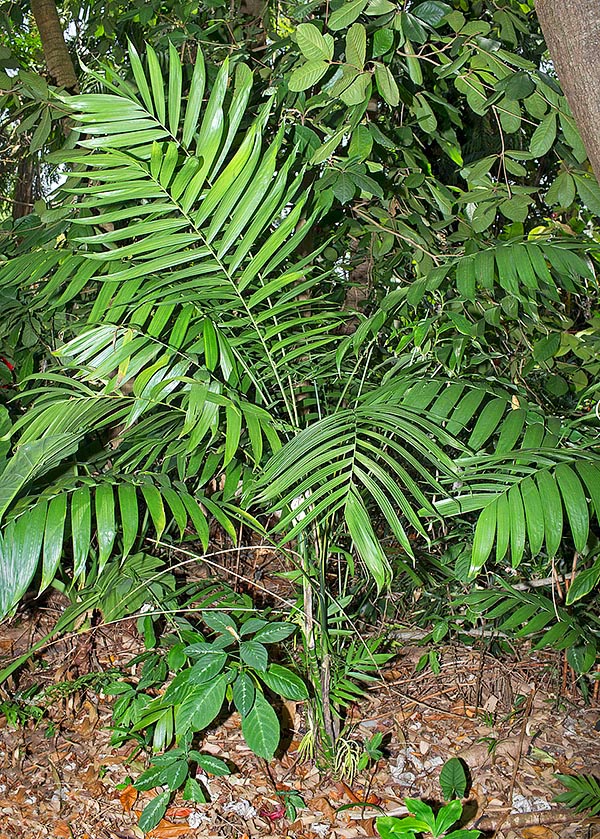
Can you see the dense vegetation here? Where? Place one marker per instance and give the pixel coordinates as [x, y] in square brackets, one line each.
[324, 276]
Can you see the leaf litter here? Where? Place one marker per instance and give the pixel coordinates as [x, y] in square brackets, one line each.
[510, 720]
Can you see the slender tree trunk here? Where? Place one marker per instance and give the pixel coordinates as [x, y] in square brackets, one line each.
[25, 192]
[58, 60]
[572, 31]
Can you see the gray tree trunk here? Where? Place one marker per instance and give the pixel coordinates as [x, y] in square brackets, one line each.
[572, 31]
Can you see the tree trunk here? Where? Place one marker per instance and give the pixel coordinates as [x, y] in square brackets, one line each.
[58, 61]
[25, 191]
[572, 31]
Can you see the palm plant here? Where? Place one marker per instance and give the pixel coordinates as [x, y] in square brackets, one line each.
[205, 374]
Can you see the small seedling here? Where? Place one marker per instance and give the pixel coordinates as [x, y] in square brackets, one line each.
[424, 821]
[292, 802]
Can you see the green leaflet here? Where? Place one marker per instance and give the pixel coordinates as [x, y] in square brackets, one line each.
[260, 728]
[575, 504]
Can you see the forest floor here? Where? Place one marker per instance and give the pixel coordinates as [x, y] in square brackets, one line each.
[514, 720]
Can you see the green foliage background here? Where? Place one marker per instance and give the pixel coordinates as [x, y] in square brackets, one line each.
[333, 267]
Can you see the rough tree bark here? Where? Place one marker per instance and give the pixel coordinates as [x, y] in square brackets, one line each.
[58, 60]
[572, 31]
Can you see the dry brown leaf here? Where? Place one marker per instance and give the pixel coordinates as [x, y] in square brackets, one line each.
[166, 830]
[128, 797]
[343, 787]
[323, 806]
[179, 812]
[63, 830]
[538, 832]
[368, 825]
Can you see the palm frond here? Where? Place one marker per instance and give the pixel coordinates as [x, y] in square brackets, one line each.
[528, 613]
[582, 793]
[383, 453]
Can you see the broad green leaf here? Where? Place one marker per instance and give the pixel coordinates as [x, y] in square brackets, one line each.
[386, 84]
[261, 728]
[20, 547]
[589, 192]
[273, 632]
[212, 764]
[53, 538]
[422, 811]
[207, 668]
[307, 75]
[42, 131]
[424, 114]
[344, 188]
[572, 136]
[254, 654]
[221, 622]
[154, 811]
[346, 14]
[128, 515]
[356, 45]
[152, 777]
[391, 827]
[447, 816]
[365, 541]
[510, 115]
[313, 45]
[357, 91]
[544, 135]
[156, 508]
[575, 504]
[432, 12]
[243, 692]
[582, 657]
[192, 791]
[209, 702]
[453, 779]
[328, 147]
[284, 682]
[487, 422]
[175, 774]
[562, 190]
[379, 7]
[414, 64]
[585, 582]
[553, 511]
[81, 529]
[105, 523]
[483, 541]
